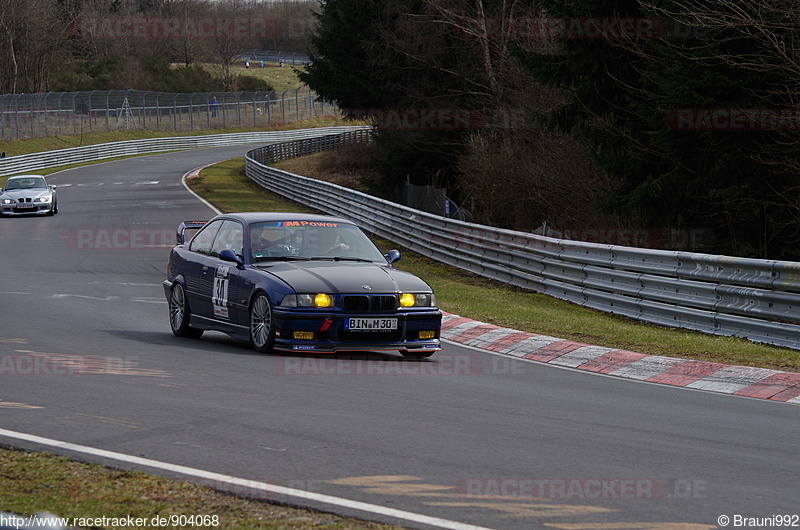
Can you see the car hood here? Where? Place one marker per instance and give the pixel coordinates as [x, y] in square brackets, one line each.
[29, 192]
[348, 277]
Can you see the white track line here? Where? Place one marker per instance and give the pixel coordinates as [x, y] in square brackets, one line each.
[216, 210]
[239, 484]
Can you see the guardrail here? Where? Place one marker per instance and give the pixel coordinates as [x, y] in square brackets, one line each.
[90, 153]
[750, 298]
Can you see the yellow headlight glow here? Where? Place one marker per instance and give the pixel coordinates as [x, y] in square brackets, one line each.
[407, 300]
[323, 300]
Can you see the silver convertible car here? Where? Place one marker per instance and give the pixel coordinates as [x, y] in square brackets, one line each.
[26, 194]
[297, 282]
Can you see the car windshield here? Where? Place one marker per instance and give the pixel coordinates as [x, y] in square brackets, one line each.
[25, 183]
[310, 240]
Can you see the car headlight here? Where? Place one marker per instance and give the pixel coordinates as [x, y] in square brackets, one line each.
[7, 201]
[319, 300]
[42, 199]
[417, 300]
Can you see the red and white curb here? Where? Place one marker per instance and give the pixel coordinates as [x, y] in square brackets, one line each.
[715, 377]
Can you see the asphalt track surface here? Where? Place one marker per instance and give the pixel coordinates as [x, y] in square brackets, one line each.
[88, 358]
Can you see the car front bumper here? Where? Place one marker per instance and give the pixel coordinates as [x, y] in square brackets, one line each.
[22, 209]
[298, 331]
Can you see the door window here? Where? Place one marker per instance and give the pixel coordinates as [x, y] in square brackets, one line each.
[229, 237]
[202, 241]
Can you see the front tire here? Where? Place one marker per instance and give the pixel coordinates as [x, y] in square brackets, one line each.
[179, 314]
[262, 326]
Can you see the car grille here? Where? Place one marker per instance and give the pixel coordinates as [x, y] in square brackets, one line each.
[376, 303]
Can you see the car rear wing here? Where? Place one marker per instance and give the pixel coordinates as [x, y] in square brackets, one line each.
[180, 235]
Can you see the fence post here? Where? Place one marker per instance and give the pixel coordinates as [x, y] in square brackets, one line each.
[191, 112]
[175, 113]
[32, 119]
[144, 110]
[58, 113]
[239, 108]
[72, 112]
[45, 110]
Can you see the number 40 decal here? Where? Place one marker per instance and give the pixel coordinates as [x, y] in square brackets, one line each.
[222, 277]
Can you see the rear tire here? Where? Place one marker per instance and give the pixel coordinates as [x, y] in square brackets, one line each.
[262, 326]
[179, 314]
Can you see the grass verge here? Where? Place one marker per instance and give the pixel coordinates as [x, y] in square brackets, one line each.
[36, 482]
[226, 186]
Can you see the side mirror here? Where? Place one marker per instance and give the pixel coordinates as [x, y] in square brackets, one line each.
[393, 256]
[229, 255]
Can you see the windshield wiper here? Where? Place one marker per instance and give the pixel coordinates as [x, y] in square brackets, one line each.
[343, 258]
[283, 258]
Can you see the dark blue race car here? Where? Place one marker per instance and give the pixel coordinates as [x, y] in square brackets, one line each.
[297, 282]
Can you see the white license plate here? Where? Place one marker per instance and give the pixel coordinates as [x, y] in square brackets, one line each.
[26, 205]
[370, 324]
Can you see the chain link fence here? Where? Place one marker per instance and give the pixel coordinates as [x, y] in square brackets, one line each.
[276, 56]
[56, 113]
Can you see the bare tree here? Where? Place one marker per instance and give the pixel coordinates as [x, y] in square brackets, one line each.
[513, 171]
[32, 37]
[289, 24]
[225, 46]
[774, 25]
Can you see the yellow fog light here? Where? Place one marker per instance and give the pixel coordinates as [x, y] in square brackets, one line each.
[304, 335]
[427, 334]
[323, 300]
[407, 300]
